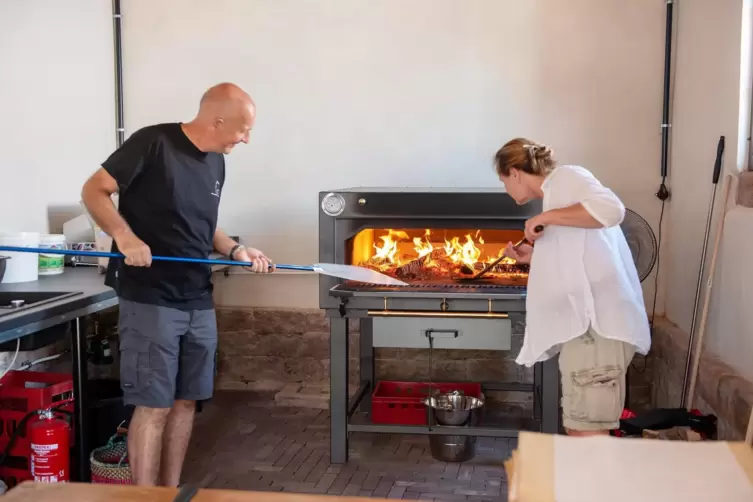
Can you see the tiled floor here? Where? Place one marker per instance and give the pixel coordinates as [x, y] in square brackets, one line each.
[248, 443]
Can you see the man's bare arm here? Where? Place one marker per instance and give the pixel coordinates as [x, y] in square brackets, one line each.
[222, 243]
[96, 195]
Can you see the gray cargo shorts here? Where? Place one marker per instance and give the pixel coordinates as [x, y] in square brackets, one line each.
[166, 354]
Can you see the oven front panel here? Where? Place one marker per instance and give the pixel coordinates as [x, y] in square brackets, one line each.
[434, 239]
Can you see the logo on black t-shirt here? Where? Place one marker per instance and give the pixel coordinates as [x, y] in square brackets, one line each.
[216, 192]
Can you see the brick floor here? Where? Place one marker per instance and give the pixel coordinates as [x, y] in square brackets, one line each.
[244, 442]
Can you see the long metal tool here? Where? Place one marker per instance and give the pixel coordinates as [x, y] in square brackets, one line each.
[698, 349]
[714, 181]
[489, 266]
[348, 272]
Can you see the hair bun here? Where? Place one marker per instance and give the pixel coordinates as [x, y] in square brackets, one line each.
[541, 152]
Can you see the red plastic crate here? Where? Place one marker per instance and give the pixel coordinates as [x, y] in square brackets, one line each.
[25, 391]
[400, 402]
[34, 390]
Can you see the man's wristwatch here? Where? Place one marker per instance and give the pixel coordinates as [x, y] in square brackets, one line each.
[235, 249]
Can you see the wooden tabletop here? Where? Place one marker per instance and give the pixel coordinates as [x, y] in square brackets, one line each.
[79, 492]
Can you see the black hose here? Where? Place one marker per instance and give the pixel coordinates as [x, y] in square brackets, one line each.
[667, 90]
[118, 45]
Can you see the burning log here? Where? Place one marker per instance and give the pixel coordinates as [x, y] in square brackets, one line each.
[436, 265]
[416, 269]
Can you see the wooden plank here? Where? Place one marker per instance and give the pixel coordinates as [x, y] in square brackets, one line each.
[30, 492]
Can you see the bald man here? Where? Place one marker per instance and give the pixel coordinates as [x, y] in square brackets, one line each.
[169, 178]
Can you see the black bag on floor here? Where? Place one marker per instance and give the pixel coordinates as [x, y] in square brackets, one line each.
[667, 418]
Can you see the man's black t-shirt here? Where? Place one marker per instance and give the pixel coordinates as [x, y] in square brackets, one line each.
[169, 196]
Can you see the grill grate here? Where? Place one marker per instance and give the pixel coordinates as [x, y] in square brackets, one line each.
[455, 287]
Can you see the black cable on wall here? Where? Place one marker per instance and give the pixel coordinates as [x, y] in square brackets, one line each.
[663, 193]
[117, 44]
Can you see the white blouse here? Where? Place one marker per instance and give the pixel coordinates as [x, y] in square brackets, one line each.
[582, 277]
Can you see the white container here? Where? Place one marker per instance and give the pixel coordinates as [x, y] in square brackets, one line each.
[51, 264]
[22, 267]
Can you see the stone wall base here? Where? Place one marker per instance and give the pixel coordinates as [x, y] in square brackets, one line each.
[721, 391]
[274, 347]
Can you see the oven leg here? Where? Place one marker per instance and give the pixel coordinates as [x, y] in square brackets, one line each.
[537, 379]
[80, 408]
[338, 389]
[550, 396]
[366, 363]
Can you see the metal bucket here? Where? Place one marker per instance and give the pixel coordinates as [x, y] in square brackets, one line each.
[452, 448]
[453, 409]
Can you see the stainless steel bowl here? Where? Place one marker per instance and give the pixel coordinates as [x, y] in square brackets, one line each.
[453, 408]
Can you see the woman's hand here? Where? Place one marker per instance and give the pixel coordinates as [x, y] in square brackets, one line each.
[535, 226]
[521, 255]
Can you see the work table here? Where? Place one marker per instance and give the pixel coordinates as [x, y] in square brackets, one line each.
[93, 296]
[85, 294]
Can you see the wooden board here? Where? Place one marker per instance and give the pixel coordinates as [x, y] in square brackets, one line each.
[537, 472]
[79, 492]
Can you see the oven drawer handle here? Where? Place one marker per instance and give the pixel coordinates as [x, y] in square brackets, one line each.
[451, 315]
[442, 333]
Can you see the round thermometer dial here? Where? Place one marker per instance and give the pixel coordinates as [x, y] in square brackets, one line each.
[333, 204]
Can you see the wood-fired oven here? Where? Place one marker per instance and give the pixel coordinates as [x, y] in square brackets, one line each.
[434, 239]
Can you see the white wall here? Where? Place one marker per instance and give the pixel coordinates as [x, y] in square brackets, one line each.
[56, 97]
[705, 106]
[711, 99]
[730, 326]
[395, 92]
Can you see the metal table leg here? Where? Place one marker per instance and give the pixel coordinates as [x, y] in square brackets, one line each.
[366, 361]
[80, 384]
[338, 388]
[550, 396]
[537, 382]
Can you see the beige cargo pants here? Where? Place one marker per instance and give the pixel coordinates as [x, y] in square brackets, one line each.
[593, 370]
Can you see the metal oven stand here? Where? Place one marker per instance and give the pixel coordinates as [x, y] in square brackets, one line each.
[351, 414]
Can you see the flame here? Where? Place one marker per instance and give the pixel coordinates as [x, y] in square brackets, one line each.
[423, 247]
[387, 251]
[466, 253]
[462, 253]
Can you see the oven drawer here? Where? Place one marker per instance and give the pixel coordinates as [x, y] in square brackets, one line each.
[476, 334]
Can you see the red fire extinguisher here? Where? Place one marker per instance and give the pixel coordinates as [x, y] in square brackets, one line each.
[50, 450]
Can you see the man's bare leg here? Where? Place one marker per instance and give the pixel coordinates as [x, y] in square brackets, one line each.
[145, 444]
[175, 441]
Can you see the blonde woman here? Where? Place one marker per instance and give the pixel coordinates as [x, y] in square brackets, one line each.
[584, 296]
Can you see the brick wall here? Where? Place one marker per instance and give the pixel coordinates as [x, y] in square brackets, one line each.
[267, 347]
[263, 349]
[720, 390]
[641, 382]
